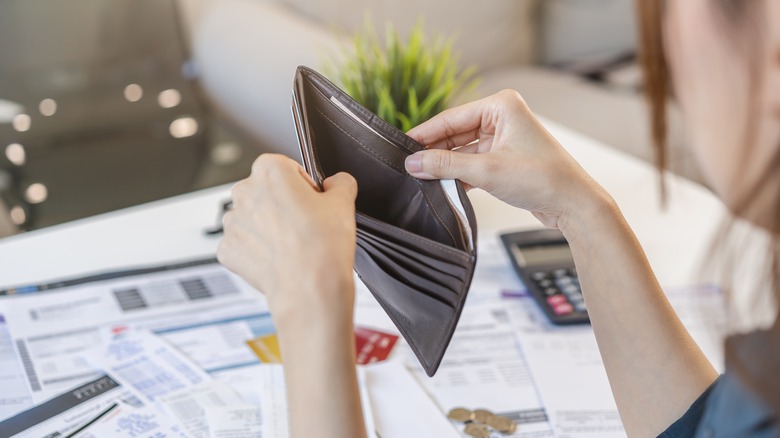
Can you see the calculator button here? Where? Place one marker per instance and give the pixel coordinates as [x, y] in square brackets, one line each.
[545, 283]
[564, 286]
[556, 300]
[560, 273]
[563, 309]
[550, 291]
[580, 306]
[570, 289]
[539, 275]
[563, 281]
[575, 296]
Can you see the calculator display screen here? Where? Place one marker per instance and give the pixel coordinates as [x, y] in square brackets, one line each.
[543, 255]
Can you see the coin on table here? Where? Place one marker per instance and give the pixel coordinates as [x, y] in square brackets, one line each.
[502, 424]
[477, 430]
[461, 415]
[482, 415]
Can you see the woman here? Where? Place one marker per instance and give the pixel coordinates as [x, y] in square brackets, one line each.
[724, 58]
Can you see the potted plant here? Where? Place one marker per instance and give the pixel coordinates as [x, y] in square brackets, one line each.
[403, 82]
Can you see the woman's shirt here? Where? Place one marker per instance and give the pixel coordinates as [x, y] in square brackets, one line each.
[728, 408]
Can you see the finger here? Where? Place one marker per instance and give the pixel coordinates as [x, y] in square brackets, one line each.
[308, 178]
[456, 140]
[342, 185]
[449, 123]
[282, 173]
[441, 164]
[227, 219]
[239, 193]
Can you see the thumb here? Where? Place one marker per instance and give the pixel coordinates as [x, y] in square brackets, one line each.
[341, 184]
[444, 164]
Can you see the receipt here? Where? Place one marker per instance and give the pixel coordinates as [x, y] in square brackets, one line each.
[276, 422]
[235, 422]
[190, 406]
[276, 417]
[146, 365]
[122, 419]
[401, 408]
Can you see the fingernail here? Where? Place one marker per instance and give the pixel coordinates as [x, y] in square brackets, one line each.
[414, 163]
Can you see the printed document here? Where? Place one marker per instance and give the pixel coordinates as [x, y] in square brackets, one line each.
[235, 422]
[205, 311]
[122, 419]
[143, 363]
[569, 372]
[484, 368]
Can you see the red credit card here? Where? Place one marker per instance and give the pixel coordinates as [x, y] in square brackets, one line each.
[372, 345]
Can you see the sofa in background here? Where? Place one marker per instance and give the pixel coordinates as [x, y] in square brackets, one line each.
[247, 51]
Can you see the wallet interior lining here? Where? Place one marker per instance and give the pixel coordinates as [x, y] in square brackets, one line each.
[381, 176]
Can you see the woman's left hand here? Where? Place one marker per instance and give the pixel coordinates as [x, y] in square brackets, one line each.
[293, 242]
[296, 244]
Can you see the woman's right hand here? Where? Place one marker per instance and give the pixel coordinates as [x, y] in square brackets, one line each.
[515, 158]
[637, 331]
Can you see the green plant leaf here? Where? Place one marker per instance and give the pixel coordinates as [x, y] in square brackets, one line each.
[405, 82]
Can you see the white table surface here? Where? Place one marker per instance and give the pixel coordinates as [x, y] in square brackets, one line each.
[676, 239]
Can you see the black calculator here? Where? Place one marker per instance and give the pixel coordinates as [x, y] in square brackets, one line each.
[544, 262]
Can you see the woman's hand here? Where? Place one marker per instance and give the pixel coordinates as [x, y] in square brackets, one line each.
[297, 245]
[655, 369]
[515, 158]
[293, 242]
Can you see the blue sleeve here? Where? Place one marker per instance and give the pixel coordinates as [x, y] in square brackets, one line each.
[686, 425]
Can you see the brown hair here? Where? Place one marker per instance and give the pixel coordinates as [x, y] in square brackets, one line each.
[754, 359]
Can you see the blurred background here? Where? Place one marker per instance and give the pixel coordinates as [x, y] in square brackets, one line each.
[106, 104]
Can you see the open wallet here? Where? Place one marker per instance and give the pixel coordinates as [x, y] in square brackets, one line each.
[416, 240]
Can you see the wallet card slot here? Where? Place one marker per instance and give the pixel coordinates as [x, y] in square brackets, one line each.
[444, 266]
[410, 279]
[446, 273]
[451, 284]
[426, 323]
[425, 246]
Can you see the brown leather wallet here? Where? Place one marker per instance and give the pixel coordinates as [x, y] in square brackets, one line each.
[416, 240]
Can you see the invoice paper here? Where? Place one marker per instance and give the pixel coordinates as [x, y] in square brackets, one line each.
[235, 422]
[146, 365]
[69, 411]
[484, 368]
[123, 419]
[16, 394]
[205, 311]
[190, 406]
[401, 408]
[569, 372]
